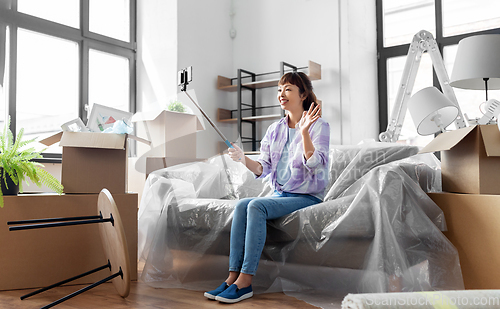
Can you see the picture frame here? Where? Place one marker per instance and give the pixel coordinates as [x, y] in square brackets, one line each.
[103, 117]
[75, 125]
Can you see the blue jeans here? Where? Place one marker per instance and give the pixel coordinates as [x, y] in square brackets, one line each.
[248, 229]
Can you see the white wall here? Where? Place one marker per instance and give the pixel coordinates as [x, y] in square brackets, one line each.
[358, 67]
[293, 31]
[338, 34]
[205, 44]
[176, 34]
[156, 52]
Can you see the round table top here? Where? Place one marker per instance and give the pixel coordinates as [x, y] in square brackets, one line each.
[114, 242]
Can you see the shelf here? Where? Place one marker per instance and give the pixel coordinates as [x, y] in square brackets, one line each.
[224, 83]
[262, 117]
[224, 115]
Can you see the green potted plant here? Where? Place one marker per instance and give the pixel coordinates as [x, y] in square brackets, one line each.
[176, 106]
[16, 165]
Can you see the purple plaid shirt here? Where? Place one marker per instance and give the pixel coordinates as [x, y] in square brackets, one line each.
[307, 176]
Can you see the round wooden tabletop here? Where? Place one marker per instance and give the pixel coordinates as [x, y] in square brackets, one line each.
[114, 242]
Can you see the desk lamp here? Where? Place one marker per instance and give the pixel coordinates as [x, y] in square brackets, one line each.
[477, 66]
[422, 42]
[431, 111]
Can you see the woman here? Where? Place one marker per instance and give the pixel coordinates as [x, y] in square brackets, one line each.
[294, 152]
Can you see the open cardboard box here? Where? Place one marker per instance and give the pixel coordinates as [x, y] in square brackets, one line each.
[470, 159]
[172, 134]
[92, 161]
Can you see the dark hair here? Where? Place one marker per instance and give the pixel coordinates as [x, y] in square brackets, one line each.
[302, 81]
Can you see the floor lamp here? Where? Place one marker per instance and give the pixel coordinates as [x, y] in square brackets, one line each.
[477, 66]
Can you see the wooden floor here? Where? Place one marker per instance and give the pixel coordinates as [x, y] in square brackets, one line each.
[141, 296]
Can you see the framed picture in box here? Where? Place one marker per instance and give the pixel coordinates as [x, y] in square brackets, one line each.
[75, 125]
[103, 117]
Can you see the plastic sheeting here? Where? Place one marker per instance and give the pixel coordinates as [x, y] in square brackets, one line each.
[376, 231]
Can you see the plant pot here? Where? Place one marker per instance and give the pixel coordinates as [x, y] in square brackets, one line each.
[13, 188]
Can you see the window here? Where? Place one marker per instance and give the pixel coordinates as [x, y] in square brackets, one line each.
[47, 81]
[100, 12]
[59, 57]
[402, 19]
[108, 80]
[461, 17]
[4, 69]
[66, 12]
[449, 21]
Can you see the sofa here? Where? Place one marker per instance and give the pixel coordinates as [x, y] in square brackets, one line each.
[375, 231]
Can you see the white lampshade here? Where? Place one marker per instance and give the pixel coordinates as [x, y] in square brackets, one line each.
[477, 57]
[431, 111]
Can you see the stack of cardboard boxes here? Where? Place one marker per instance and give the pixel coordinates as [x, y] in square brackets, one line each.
[470, 162]
[37, 258]
[90, 162]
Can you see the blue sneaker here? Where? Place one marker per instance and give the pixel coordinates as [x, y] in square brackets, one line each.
[233, 295]
[217, 291]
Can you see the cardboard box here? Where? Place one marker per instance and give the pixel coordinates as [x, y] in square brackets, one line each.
[470, 159]
[473, 228]
[172, 134]
[92, 161]
[39, 258]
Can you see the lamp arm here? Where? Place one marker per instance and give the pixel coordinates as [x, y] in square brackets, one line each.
[422, 42]
[410, 70]
[442, 75]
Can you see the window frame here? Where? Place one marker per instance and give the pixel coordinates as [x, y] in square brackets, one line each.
[385, 53]
[84, 38]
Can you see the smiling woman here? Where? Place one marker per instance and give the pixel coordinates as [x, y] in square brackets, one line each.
[294, 153]
[299, 86]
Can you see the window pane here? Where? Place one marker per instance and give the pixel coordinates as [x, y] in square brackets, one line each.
[109, 80]
[66, 12]
[47, 84]
[464, 16]
[423, 79]
[471, 101]
[110, 18]
[4, 76]
[403, 19]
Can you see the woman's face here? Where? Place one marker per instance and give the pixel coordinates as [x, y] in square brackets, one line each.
[290, 98]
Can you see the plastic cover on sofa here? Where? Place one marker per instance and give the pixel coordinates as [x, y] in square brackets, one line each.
[376, 231]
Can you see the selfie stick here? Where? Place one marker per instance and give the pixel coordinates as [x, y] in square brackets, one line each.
[184, 76]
